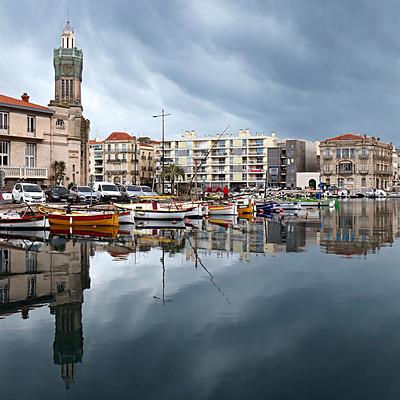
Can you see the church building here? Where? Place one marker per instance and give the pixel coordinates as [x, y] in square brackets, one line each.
[36, 140]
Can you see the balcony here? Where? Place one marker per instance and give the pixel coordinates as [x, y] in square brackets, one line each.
[363, 171]
[25, 172]
[327, 157]
[345, 172]
[363, 156]
[327, 172]
[4, 130]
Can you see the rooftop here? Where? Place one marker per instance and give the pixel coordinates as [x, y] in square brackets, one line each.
[347, 136]
[120, 136]
[22, 104]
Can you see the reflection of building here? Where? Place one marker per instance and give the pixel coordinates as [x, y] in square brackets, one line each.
[55, 274]
[356, 162]
[122, 158]
[360, 227]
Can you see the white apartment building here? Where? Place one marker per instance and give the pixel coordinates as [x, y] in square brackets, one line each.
[234, 160]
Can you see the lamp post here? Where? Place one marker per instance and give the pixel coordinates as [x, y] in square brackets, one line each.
[162, 115]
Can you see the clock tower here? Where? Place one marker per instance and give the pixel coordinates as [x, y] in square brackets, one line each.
[68, 65]
[70, 138]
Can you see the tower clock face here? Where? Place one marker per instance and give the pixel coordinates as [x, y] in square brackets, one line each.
[68, 69]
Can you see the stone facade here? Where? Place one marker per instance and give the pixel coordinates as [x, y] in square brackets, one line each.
[356, 162]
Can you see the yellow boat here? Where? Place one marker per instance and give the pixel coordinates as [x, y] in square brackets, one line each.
[84, 219]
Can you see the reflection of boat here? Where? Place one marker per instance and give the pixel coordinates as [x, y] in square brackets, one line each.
[101, 231]
[126, 217]
[223, 209]
[225, 221]
[84, 219]
[13, 219]
[159, 224]
[33, 235]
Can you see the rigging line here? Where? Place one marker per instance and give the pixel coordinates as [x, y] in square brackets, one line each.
[208, 272]
[205, 158]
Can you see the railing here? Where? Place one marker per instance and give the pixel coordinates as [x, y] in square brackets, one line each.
[327, 156]
[363, 171]
[4, 130]
[345, 171]
[25, 172]
[327, 172]
[363, 156]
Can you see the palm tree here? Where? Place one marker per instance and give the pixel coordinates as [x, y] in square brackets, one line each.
[59, 172]
[172, 173]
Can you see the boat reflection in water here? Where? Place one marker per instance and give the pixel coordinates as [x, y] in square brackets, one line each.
[51, 269]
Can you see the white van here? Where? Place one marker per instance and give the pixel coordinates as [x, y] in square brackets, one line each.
[108, 191]
[28, 192]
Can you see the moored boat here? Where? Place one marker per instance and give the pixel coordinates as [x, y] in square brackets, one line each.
[84, 218]
[167, 215]
[223, 209]
[126, 217]
[23, 220]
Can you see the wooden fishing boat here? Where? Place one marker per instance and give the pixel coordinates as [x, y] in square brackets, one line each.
[167, 215]
[194, 212]
[106, 218]
[223, 209]
[23, 220]
[246, 209]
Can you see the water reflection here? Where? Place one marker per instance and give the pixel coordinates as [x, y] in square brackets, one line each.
[55, 273]
[52, 269]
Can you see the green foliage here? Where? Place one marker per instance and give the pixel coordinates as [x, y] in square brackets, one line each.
[172, 173]
[59, 172]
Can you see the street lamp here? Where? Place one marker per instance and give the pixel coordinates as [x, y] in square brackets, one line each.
[162, 115]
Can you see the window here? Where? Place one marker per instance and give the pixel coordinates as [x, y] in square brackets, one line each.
[340, 182]
[4, 121]
[4, 261]
[3, 292]
[60, 123]
[338, 153]
[345, 153]
[327, 152]
[4, 153]
[124, 147]
[244, 142]
[30, 155]
[32, 286]
[363, 182]
[31, 124]
[67, 86]
[31, 261]
[353, 153]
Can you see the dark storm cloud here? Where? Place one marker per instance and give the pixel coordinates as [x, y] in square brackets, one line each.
[301, 68]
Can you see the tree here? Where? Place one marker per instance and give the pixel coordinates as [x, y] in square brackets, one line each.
[172, 173]
[59, 172]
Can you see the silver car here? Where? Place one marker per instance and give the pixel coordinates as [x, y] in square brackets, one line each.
[84, 194]
[148, 191]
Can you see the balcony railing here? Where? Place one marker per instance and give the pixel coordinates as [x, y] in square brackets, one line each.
[363, 171]
[4, 130]
[327, 156]
[25, 172]
[363, 156]
[345, 172]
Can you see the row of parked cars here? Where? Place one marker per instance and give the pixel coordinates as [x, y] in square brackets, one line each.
[101, 191]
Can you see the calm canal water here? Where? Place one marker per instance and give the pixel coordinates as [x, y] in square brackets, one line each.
[307, 307]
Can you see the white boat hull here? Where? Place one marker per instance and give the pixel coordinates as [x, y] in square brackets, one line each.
[223, 210]
[126, 217]
[15, 224]
[196, 212]
[159, 215]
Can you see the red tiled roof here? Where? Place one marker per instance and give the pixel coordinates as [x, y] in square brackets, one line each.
[94, 141]
[20, 103]
[347, 136]
[120, 136]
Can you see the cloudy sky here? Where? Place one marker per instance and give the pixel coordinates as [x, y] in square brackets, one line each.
[308, 69]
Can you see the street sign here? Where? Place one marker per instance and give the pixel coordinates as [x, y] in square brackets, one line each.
[92, 179]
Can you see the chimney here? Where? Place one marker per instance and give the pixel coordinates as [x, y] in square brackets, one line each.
[25, 97]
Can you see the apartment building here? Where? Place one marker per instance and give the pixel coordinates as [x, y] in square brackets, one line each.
[356, 162]
[233, 160]
[122, 158]
[287, 159]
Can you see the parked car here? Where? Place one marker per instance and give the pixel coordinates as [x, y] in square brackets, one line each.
[108, 191]
[147, 191]
[58, 193]
[28, 192]
[129, 192]
[84, 194]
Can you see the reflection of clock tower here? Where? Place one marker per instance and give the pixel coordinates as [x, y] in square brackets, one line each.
[68, 63]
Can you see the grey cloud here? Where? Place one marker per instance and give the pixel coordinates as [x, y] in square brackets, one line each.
[309, 69]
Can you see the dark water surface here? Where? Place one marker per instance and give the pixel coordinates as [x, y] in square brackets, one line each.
[307, 307]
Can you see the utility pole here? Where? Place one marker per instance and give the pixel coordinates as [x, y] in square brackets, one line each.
[162, 115]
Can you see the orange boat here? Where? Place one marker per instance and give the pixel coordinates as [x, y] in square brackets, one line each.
[92, 231]
[83, 219]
